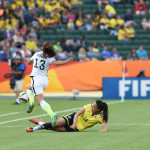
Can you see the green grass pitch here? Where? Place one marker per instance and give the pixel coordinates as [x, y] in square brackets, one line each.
[129, 128]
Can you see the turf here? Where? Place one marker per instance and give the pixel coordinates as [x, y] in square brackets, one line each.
[129, 128]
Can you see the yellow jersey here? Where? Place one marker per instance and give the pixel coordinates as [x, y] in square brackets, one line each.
[19, 2]
[121, 34]
[120, 22]
[105, 21]
[113, 23]
[30, 3]
[40, 3]
[57, 6]
[50, 21]
[95, 23]
[130, 32]
[43, 22]
[87, 119]
[30, 45]
[56, 17]
[79, 23]
[13, 6]
[11, 24]
[110, 9]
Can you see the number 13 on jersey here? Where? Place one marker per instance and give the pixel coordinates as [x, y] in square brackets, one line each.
[41, 65]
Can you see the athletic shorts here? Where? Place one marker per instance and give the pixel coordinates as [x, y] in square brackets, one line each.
[38, 84]
[18, 85]
[69, 122]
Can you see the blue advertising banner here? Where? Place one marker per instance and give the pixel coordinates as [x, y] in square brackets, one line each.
[132, 88]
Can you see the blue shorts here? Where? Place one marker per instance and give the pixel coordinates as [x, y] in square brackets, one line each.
[69, 122]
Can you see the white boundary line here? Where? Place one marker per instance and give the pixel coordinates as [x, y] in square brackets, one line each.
[47, 114]
[108, 125]
[13, 113]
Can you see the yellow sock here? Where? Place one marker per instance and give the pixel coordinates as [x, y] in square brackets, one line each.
[47, 108]
[31, 96]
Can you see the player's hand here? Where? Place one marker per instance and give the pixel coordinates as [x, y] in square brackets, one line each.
[74, 126]
[70, 59]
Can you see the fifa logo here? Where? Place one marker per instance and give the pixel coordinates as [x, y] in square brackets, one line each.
[137, 87]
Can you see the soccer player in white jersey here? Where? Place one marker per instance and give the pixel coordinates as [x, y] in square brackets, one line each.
[39, 81]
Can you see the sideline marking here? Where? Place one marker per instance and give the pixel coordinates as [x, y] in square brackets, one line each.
[13, 113]
[108, 125]
[55, 112]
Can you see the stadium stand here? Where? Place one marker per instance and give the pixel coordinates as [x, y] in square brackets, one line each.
[58, 32]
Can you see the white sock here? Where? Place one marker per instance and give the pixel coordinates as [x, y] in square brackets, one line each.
[41, 123]
[37, 128]
[17, 100]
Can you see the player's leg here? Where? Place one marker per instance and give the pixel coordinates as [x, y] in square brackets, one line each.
[46, 107]
[53, 115]
[30, 93]
[59, 126]
[48, 126]
[62, 125]
[18, 89]
[31, 96]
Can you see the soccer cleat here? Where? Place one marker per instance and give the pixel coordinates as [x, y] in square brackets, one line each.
[30, 108]
[54, 119]
[35, 121]
[29, 129]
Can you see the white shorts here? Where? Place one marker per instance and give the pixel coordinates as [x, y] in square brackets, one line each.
[39, 84]
[18, 85]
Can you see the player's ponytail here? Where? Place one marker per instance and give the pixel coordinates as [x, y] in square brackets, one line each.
[103, 108]
[48, 50]
[105, 112]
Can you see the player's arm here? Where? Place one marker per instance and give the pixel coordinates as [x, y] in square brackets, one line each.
[104, 125]
[58, 63]
[81, 111]
[30, 62]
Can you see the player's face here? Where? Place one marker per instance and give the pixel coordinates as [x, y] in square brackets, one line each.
[95, 109]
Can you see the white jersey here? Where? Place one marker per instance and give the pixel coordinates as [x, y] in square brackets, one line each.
[40, 64]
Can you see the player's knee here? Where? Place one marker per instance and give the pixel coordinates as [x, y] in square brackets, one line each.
[28, 87]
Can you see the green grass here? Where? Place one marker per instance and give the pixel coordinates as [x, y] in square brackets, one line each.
[127, 128]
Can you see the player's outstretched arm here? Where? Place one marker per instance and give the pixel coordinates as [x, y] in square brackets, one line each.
[81, 111]
[104, 127]
[58, 63]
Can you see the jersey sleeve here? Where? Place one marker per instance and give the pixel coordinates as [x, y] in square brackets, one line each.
[51, 59]
[85, 106]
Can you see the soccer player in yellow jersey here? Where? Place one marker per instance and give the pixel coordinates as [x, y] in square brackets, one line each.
[86, 117]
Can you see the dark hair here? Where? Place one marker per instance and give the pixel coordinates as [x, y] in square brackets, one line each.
[48, 50]
[103, 108]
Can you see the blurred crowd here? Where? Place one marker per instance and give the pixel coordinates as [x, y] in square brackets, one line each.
[19, 21]
[98, 51]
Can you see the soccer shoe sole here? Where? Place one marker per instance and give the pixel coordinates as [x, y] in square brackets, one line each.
[30, 108]
[54, 119]
[29, 129]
